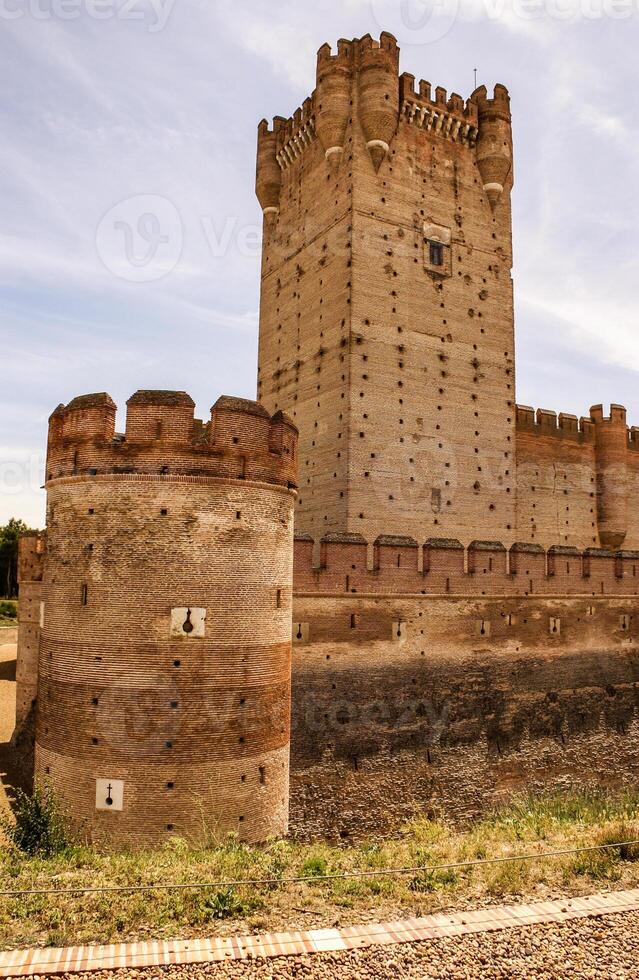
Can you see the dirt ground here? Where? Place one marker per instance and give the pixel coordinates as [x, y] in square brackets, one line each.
[8, 639]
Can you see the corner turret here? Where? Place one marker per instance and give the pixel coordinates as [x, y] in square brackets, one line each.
[379, 94]
[611, 451]
[333, 97]
[494, 142]
[268, 182]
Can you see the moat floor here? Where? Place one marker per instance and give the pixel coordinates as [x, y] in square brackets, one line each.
[8, 638]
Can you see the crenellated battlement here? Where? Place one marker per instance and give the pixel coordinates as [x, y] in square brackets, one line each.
[352, 52]
[289, 137]
[543, 422]
[370, 68]
[162, 436]
[451, 117]
[487, 108]
[441, 566]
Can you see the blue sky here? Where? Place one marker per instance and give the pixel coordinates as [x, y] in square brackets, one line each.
[116, 111]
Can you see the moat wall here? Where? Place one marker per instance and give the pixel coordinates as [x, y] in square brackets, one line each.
[451, 705]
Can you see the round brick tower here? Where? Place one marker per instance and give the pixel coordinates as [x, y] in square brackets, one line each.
[165, 671]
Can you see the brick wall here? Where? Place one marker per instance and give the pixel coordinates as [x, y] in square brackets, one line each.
[165, 648]
[347, 564]
[31, 553]
[387, 324]
[576, 479]
[399, 373]
[425, 704]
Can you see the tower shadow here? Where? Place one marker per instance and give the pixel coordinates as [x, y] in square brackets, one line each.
[15, 752]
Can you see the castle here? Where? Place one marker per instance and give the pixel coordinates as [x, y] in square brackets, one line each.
[459, 571]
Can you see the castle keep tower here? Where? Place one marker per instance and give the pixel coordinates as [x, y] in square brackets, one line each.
[386, 325]
[164, 676]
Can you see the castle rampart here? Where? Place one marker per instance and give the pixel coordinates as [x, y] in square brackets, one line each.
[575, 478]
[163, 689]
[445, 567]
[451, 704]
[241, 440]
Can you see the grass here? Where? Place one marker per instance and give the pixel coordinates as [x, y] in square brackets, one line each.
[8, 612]
[528, 826]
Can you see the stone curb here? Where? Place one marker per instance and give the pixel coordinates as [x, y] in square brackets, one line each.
[77, 959]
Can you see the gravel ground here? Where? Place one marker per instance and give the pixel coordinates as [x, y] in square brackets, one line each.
[586, 949]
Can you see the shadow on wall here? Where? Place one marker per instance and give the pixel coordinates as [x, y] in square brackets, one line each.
[14, 757]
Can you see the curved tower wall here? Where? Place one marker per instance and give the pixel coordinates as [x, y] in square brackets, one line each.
[164, 682]
[611, 475]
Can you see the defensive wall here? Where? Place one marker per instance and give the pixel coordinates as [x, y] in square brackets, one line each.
[408, 698]
[577, 478]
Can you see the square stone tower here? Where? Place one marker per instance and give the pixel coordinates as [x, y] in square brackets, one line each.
[386, 326]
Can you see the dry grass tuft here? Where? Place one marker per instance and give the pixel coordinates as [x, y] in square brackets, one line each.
[527, 826]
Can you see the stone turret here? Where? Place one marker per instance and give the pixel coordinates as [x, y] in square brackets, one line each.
[494, 143]
[611, 463]
[269, 175]
[378, 85]
[333, 97]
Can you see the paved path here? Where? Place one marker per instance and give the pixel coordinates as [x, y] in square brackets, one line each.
[148, 956]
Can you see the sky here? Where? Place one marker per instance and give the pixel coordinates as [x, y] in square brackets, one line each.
[129, 228]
